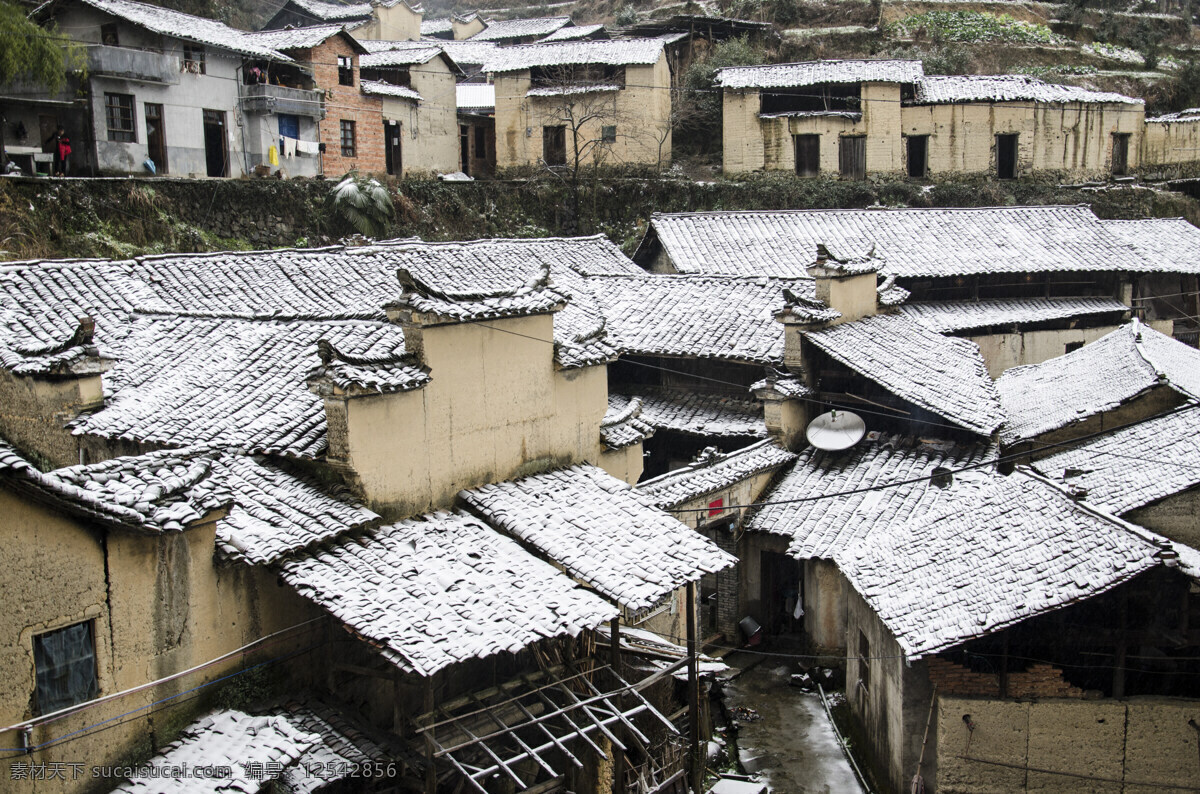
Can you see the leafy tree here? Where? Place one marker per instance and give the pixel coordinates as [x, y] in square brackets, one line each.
[362, 203]
[626, 16]
[700, 129]
[32, 53]
[1146, 42]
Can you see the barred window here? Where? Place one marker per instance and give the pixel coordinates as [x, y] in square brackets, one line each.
[118, 110]
[608, 133]
[347, 138]
[65, 664]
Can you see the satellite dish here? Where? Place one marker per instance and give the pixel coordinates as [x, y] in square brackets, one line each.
[836, 430]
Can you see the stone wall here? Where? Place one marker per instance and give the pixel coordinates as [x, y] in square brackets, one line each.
[1063, 745]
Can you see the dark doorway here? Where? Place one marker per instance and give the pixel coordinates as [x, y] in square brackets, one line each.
[1006, 156]
[554, 145]
[780, 580]
[808, 155]
[1120, 156]
[216, 152]
[156, 137]
[918, 156]
[391, 148]
[464, 148]
[852, 156]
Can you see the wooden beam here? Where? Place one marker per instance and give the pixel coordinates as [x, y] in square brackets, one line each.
[513, 733]
[430, 772]
[696, 760]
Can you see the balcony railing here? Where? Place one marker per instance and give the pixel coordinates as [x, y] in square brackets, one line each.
[264, 98]
[130, 64]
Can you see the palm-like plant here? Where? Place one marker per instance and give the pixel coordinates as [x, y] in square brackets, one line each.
[363, 203]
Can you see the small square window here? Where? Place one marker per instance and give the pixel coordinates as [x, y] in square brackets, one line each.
[608, 133]
[345, 70]
[347, 138]
[109, 35]
[118, 112]
[65, 664]
[193, 59]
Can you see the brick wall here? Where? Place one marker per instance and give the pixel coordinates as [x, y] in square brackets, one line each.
[727, 589]
[348, 103]
[1039, 681]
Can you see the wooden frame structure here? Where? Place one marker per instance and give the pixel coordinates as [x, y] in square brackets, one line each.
[526, 725]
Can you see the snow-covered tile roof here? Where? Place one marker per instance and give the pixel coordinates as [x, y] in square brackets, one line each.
[463, 53]
[601, 532]
[270, 513]
[913, 243]
[1133, 466]
[696, 413]
[380, 88]
[1016, 549]
[157, 492]
[446, 588]
[713, 473]
[940, 374]
[572, 33]
[275, 513]
[232, 383]
[343, 751]
[615, 52]
[331, 11]
[1096, 378]
[176, 24]
[1172, 244]
[722, 317]
[247, 746]
[404, 56]
[622, 425]
[505, 29]
[431, 26]
[1189, 114]
[476, 96]
[878, 471]
[945, 89]
[952, 316]
[298, 38]
[795, 75]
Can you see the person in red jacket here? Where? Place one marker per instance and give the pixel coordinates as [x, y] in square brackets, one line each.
[62, 150]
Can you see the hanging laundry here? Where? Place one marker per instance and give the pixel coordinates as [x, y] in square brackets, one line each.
[289, 147]
[308, 147]
[273, 156]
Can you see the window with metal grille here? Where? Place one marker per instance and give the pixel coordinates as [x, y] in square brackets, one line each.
[345, 70]
[608, 133]
[193, 59]
[347, 138]
[118, 110]
[65, 666]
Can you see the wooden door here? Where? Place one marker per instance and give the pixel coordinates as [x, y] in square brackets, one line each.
[1120, 155]
[852, 156]
[1006, 156]
[554, 145]
[808, 155]
[391, 148]
[918, 156]
[216, 150]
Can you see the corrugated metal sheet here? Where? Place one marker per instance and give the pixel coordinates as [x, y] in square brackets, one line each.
[619, 52]
[944, 89]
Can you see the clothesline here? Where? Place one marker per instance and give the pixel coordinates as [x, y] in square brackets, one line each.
[291, 147]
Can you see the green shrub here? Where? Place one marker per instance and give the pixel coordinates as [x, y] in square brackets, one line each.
[971, 27]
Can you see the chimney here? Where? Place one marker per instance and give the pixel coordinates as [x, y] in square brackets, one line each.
[43, 389]
[846, 285]
[786, 411]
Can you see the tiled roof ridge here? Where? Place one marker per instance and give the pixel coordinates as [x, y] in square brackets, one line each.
[83, 336]
[413, 283]
[633, 409]
[1166, 551]
[704, 462]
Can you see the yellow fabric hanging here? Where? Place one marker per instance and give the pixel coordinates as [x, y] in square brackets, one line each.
[273, 156]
